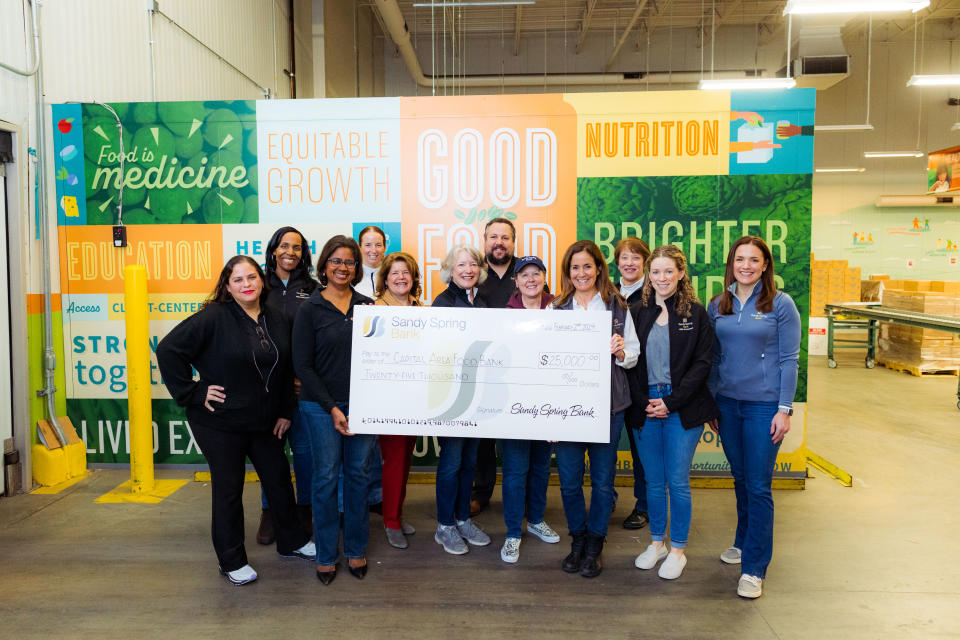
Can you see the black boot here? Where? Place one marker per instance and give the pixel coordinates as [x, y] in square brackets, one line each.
[573, 561]
[305, 517]
[591, 556]
[265, 533]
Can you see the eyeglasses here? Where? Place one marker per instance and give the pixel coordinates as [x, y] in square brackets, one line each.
[349, 264]
[264, 343]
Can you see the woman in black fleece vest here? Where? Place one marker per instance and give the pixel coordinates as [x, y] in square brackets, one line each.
[239, 408]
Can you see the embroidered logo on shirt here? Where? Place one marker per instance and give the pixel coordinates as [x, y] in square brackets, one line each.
[756, 315]
[685, 325]
[302, 295]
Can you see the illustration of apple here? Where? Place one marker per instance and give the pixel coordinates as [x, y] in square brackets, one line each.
[64, 125]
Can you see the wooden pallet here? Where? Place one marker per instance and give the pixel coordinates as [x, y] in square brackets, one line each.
[917, 370]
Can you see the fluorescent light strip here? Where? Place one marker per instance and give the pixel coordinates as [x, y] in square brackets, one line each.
[841, 170]
[843, 127]
[747, 83]
[799, 7]
[893, 154]
[955, 127]
[475, 3]
[941, 80]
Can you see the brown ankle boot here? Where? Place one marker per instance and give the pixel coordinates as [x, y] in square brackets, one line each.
[265, 533]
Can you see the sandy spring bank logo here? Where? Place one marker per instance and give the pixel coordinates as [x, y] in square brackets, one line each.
[373, 327]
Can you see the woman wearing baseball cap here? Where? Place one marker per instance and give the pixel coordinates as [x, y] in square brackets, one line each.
[526, 463]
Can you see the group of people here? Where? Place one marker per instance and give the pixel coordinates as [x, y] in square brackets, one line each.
[272, 350]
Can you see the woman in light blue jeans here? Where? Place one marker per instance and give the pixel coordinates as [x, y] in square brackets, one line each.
[671, 387]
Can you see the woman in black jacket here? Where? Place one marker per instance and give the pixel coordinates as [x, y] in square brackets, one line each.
[289, 283]
[671, 401]
[240, 407]
[463, 270]
[322, 340]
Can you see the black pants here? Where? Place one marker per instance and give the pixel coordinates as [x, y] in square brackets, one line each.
[226, 453]
[485, 472]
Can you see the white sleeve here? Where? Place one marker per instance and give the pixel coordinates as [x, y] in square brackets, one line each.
[631, 344]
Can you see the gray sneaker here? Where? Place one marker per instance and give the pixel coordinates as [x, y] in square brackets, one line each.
[511, 550]
[449, 537]
[407, 528]
[731, 556]
[396, 538]
[472, 533]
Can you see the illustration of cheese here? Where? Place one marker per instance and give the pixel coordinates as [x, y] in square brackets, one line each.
[69, 205]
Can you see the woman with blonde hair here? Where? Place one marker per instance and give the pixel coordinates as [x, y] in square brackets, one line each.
[670, 386]
[398, 284]
[463, 270]
[585, 285]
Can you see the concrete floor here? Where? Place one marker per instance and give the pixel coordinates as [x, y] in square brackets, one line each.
[876, 560]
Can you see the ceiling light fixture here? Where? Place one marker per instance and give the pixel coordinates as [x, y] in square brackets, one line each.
[939, 80]
[720, 84]
[843, 127]
[955, 127]
[798, 7]
[841, 170]
[893, 154]
[475, 3]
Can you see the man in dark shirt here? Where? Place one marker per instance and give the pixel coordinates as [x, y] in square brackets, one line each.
[499, 238]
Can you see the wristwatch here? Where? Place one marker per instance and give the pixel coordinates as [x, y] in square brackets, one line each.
[786, 410]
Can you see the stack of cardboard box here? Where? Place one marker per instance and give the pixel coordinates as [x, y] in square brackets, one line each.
[912, 348]
[832, 281]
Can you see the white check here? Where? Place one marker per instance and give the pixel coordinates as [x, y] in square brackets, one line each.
[492, 373]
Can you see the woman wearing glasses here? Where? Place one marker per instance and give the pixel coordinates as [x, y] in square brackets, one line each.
[240, 407]
[322, 334]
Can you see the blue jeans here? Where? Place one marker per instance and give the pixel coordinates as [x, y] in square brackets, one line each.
[331, 452]
[745, 436]
[455, 478]
[526, 473]
[603, 466]
[375, 473]
[299, 441]
[666, 451]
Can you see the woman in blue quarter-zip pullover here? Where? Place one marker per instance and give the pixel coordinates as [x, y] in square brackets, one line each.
[754, 377]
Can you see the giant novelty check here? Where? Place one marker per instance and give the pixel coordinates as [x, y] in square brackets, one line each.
[493, 373]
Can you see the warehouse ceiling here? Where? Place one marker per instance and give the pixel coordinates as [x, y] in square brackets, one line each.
[587, 18]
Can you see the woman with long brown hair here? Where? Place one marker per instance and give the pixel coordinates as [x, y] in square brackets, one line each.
[671, 401]
[585, 285]
[754, 377]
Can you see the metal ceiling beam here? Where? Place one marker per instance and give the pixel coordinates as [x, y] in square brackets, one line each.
[771, 26]
[723, 14]
[641, 5]
[516, 32]
[653, 21]
[588, 8]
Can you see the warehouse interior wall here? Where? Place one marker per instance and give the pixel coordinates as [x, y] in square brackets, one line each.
[352, 42]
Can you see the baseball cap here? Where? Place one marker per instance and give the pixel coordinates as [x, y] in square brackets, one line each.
[526, 261]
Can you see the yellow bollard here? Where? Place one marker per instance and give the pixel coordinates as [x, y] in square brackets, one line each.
[138, 379]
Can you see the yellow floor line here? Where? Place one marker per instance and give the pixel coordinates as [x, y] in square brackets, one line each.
[122, 494]
[57, 488]
[829, 468]
[697, 482]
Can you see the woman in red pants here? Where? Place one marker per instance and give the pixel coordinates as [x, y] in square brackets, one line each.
[398, 284]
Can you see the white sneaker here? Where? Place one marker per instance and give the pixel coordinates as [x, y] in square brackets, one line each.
[306, 552]
[731, 556]
[672, 567]
[543, 531]
[243, 575]
[750, 586]
[649, 558]
[511, 550]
